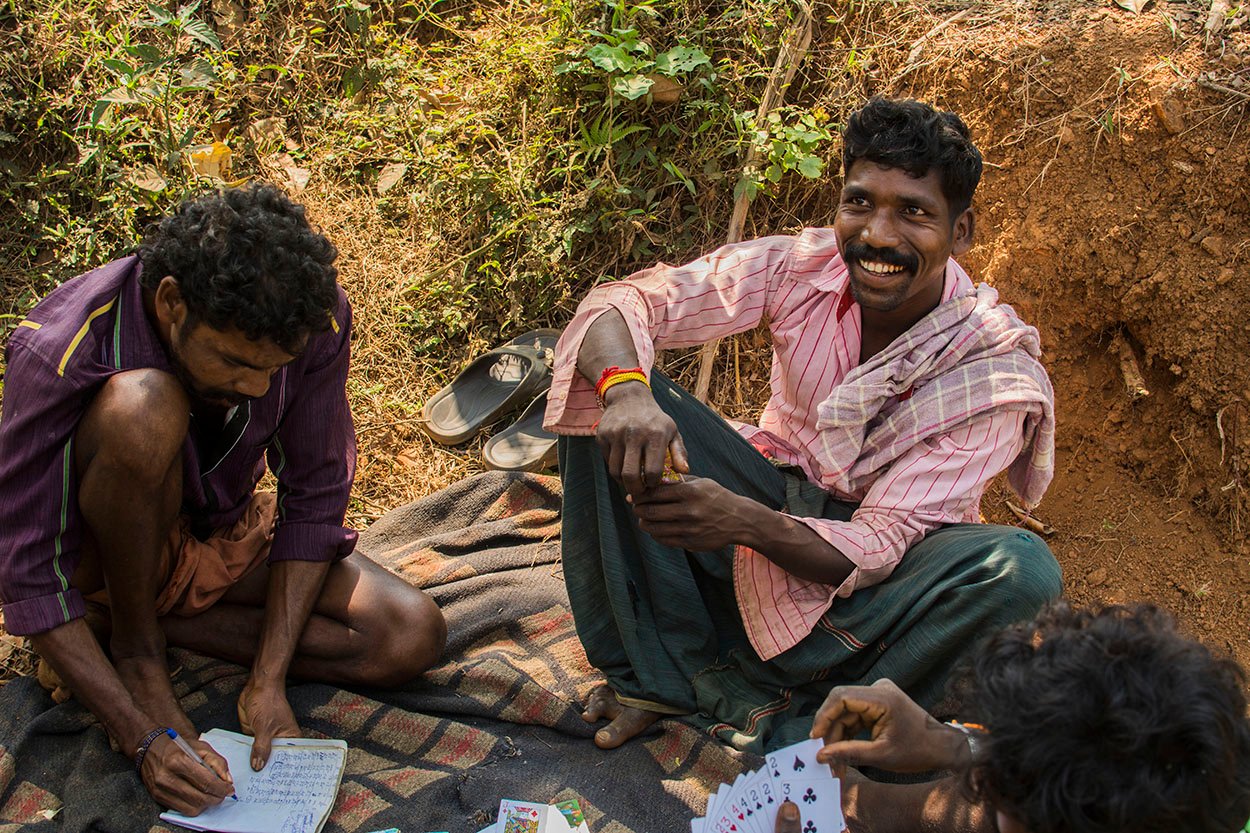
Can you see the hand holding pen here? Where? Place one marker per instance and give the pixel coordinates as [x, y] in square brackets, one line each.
[188, 777]
[195, 756]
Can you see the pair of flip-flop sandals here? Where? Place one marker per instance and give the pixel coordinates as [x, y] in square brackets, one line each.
[514, 376]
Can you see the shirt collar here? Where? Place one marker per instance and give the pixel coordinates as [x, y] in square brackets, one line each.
[135, 343]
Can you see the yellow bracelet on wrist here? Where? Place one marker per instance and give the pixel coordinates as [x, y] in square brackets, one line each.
[616, 379]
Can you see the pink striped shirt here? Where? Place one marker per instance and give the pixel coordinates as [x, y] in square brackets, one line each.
[799, 285]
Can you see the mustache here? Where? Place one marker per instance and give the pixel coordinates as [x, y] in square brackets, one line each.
[222, 397]
[860, 252]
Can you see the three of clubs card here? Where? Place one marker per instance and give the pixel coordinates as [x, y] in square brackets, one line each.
[750, 804]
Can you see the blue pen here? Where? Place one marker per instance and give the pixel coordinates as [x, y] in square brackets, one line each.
[191, 753]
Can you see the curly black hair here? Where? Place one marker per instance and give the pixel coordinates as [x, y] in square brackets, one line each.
[911, 135]
[246, 258]
[1109, 721]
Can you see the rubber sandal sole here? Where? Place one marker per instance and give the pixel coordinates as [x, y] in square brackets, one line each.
[476, 398]
[525, 445]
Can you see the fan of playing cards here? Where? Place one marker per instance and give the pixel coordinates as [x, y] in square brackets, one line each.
[530, 817]
[750, 804]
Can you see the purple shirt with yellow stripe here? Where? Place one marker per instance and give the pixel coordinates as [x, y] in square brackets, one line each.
[94, 326]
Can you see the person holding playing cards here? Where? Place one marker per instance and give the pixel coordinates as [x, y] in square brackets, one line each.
[1087, 721]
[732, 574]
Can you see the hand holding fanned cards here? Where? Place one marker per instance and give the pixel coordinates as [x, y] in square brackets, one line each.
[750, 804]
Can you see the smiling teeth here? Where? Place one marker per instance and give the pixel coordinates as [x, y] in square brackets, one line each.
[880, 268]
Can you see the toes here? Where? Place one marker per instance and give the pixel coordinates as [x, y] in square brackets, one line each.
[609, 738]
[602, 703]
[628, 724]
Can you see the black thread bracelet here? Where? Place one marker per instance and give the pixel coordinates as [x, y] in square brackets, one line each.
[145, 744]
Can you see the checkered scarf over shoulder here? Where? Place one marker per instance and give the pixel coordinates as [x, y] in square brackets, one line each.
[969, 356]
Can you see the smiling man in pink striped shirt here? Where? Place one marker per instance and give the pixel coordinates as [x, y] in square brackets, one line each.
[836, 542]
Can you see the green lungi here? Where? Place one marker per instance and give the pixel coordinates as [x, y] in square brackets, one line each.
[663, 625]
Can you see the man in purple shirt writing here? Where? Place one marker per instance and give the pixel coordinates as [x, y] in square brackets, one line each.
[142, 402]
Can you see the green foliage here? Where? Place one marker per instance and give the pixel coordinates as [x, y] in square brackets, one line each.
[632, 66]
[151, 79]
[530, 148]
[791, 140]
[97, 120]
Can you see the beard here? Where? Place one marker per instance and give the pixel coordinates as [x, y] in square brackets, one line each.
[210, 396]
[871, 298]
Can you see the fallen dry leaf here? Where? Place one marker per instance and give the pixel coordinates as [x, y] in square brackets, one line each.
[391, 176]
[267, 134]
[411, 459]
[212, 161]
[285, 164]
[148, 178]
[230, 17]
[664, 90]
[1134, 6]
[8, 644]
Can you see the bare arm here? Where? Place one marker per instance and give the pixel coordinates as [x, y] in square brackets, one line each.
[607, 343]
[930, 807]
[263, 707]
[73, 651]
[169, 775]
[634, 434]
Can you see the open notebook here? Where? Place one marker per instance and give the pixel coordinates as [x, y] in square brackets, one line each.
[292, 794]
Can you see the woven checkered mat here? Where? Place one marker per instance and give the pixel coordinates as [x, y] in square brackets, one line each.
[498, 719]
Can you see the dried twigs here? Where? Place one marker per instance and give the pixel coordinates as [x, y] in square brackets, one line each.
[1134, 382]
[913, 57]
[1215, 19]
[1028, 521]
[793, 50]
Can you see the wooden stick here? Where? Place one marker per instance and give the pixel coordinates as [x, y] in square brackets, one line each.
[1220, 88]
[1134, 382]
[791, 54]
[1030, 523]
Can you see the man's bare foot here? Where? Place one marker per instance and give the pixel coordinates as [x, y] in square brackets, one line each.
[626, 721]
[147, 680]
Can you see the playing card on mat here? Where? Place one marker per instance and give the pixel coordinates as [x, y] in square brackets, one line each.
[521, 816]
[762, 797]
[712, 801]
[726, 794]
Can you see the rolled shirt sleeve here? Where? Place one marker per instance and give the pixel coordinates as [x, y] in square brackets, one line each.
[725, 292]
[313, 453]
[938, 482]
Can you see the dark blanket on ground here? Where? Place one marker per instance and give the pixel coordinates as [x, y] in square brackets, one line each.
[498, 719]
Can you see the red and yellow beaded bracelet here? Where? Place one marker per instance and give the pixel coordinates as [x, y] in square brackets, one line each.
[614, 376]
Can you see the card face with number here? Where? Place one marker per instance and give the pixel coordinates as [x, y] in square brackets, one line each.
[748, 808]
[726, 795]
[738, 816]
[819, 801]
[521, 816]
[797, 761]
[762, 798]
